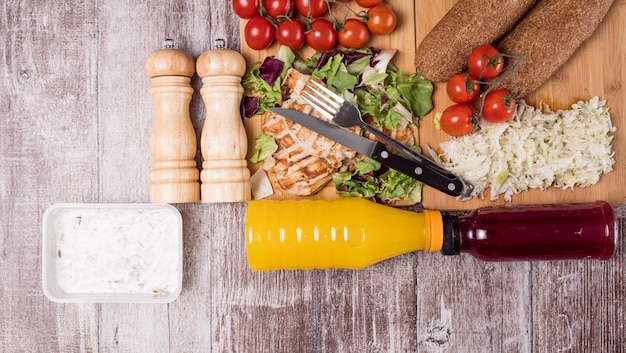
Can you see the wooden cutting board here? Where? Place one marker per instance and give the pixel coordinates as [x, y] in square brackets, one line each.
[598, 68]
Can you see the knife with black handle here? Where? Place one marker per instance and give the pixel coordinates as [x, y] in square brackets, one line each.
[425, 170]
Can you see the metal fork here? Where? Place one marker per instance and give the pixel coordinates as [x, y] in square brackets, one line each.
[345, 114]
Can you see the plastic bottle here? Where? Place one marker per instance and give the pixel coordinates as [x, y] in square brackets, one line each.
[344, 233]
[353, 233]
[534, 232]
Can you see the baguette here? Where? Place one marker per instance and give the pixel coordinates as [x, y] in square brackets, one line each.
[549, 34]
[469, 23]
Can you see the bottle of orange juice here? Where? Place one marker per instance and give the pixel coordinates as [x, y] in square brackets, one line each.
[344, 233]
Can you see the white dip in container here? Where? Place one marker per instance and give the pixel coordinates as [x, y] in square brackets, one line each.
[112, 253]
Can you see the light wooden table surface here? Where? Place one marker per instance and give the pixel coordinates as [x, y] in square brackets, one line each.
[74, 127]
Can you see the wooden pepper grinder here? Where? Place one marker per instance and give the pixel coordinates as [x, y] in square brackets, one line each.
[225, 175]
[174, 177]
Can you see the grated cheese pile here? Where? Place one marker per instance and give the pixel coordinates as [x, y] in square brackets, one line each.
[535, 149]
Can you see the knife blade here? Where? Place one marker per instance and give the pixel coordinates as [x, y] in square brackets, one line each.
[425, 171]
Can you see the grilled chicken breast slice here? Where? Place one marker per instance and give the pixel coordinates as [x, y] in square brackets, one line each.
[305, 160]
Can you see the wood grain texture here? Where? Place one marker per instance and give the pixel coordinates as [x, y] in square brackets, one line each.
[593, 70]
[597, 68]
[225, 176]
[74, 127]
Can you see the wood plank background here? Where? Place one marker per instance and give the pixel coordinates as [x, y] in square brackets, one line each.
[74, 127]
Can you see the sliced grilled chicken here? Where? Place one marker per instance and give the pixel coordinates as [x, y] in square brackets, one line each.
[305, 161]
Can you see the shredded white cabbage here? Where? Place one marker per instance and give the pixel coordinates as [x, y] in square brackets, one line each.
[537, 148]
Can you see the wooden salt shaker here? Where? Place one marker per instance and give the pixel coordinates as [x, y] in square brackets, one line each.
[225, 175]
[174, 177]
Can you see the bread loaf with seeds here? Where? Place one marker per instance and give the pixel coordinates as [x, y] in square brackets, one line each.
[549, 34]
[469, 23]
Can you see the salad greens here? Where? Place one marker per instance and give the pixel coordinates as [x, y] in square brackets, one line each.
[367, 78]
[371, 180]
[264, 147]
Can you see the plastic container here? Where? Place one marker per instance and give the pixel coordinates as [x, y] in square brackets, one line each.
[347, 233]
[112, 253]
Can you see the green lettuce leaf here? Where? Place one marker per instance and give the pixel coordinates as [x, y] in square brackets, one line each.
[414, 92]
[270, 96]
[287, 56]
[264, 147]
[346, 186]
[390, 186]
[398, 186]
[336, 76]
[366, 166]
[357, 66]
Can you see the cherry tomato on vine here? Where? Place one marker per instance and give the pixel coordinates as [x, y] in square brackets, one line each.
[462, 88]
[458, 120]
[259, 33]
[354, 34]
[311, 8]
[290, 33]
[246, 9]
[322, 35]
[499, 106]
[279, 8]
[368, 3]
[485, 61]
[381, 20]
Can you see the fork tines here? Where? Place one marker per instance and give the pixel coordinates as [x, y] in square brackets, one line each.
[325, 101]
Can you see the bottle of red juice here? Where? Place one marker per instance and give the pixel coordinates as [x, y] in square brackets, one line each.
[533, 232]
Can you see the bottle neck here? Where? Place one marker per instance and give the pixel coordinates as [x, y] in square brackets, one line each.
[451, 235]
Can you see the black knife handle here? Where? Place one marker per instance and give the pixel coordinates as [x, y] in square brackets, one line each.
[422, 171]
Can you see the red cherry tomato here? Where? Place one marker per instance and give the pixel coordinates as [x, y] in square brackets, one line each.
[279, 8]
[458, 120]
[312, 8]
[499, 106]
[382, 20]
[368, 3]
[485, 61]
[322, 35]
[246, 8]
[290, 33]
[354, 34]
[259, 33]
[462, 88]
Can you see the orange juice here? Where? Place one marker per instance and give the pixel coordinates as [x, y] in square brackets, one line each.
[345, 233]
